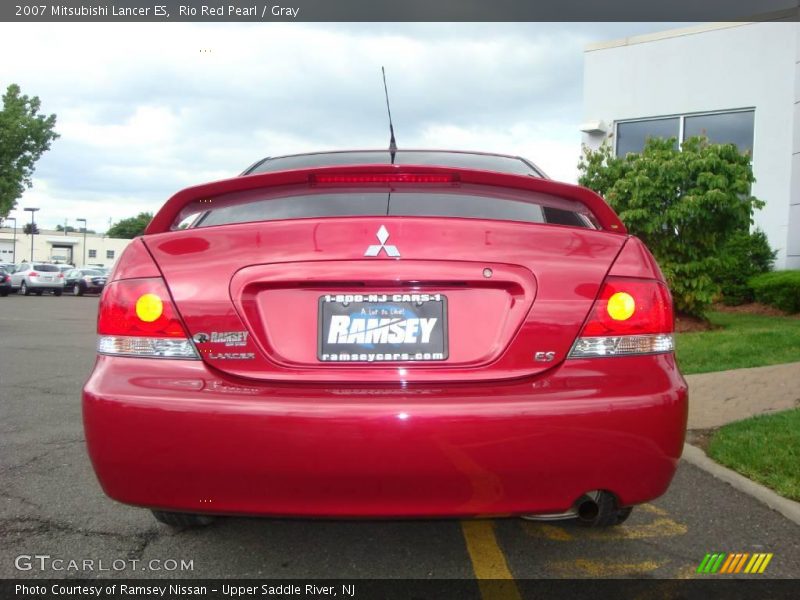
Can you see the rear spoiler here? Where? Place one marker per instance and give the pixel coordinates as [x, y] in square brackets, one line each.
[173, 209]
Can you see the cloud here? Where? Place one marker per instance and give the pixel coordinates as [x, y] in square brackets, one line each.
[146, 109]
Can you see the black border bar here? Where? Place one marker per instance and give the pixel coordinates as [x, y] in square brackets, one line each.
[398, 10]
[406, 589]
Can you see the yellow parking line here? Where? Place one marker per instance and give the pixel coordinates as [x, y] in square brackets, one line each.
[652, 508]
[551, 532]
[488, 562]
[582, 567]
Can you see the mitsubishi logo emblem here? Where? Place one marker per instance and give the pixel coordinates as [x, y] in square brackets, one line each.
[375, 249]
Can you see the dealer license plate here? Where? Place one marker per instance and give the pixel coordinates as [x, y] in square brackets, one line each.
[368, 328]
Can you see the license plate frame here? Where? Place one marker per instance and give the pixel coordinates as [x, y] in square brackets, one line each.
[405, 310]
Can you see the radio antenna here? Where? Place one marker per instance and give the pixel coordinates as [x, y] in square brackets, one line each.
[392, 142]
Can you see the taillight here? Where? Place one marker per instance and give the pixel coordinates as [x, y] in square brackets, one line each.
[61, 275]
[630, 316]
[137, 318]
[33, 274]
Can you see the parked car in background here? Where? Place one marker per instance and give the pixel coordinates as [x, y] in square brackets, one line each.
[85, 281]
[37, 278]
[5, 282]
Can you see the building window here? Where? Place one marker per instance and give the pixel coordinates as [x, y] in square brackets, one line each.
[92, 253]
[632, 135]
[109, 254]
[723, 128]
[731, 127]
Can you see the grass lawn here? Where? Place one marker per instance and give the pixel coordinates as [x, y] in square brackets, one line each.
[765, 448]
[744, 340]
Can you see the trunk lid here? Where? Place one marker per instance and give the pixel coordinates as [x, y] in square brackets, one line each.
[516, 293]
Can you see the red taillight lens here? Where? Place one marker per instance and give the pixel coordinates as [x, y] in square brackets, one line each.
[629, 317]
[379, 178]
[138, 307]
[630, 307]
[61, 276]
[33, 274]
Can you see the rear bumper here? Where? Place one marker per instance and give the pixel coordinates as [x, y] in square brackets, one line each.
[177, 435]
[45, 286]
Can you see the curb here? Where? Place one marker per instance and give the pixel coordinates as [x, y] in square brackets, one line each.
[788, 508]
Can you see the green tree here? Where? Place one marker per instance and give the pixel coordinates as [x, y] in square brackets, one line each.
[28, 227]
[24, 136]
[131, 227]
[684, 204]
[71, 229]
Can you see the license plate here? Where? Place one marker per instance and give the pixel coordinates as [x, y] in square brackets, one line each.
[367, 328]
[47, 278]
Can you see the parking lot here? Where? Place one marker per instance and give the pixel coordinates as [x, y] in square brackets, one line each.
[51, 504]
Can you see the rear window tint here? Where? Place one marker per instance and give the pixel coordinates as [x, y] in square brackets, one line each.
[46, 268]
[91, 272]
[534, 208]
[464, 160]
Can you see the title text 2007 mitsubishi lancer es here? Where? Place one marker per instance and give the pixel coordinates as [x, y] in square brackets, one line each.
[386, 334]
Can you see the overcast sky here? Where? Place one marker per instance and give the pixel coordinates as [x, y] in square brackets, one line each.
[143, 112]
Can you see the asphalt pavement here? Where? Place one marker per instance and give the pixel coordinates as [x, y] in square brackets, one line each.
[51, 504]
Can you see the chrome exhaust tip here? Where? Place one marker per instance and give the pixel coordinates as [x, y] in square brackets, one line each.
[588, 509]
[589, 498]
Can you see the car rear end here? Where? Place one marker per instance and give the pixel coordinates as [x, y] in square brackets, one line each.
[93, 280]
[45, 278]
[383, 340]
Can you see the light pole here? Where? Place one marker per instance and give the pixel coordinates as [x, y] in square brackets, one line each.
[84, 240]
[32, 211]
[14, 247]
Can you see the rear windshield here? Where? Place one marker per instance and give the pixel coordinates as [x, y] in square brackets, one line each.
[46, 268]
[529, 207]
[91, 272]
[463, 160]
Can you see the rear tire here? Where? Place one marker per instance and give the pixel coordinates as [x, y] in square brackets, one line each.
[76, 290]
[609, 513]
[23, 289]
[183, 520]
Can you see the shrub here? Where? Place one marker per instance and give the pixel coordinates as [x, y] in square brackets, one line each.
[744, 256]
[684, 204]
[780, 289]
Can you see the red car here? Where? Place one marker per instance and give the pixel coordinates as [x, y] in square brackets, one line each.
[424, 334]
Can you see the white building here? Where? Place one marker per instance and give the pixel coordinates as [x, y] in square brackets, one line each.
[54, 246]
[735, 82]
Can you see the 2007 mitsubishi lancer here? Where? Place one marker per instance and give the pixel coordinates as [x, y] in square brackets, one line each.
[376, 334]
